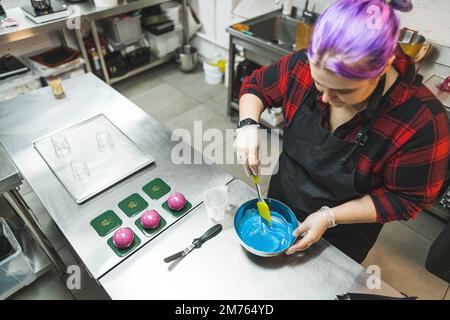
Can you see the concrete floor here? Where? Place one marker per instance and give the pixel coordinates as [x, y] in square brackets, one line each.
[177, 100]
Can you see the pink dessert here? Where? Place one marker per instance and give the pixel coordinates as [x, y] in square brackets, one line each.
[150, 219]
[176, 201]
[123, 238]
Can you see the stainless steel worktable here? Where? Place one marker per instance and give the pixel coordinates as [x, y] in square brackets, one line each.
[9, 175]
[29, 117]
[92, 12]
[88, 10]
[222, 269]
[26, 27]
[84, 11]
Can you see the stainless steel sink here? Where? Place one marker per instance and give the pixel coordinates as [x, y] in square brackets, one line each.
[278, 30]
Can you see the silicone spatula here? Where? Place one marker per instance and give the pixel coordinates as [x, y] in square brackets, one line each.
[263, 208]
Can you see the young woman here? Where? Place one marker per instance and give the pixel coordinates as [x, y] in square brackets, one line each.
[364, 141]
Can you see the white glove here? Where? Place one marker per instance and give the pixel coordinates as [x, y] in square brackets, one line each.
[246, 146]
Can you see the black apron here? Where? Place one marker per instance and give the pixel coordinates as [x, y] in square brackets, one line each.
[317, 169]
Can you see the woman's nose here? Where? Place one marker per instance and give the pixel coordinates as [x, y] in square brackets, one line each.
[327, 96]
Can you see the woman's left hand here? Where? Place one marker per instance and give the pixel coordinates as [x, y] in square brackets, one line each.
[311, 230]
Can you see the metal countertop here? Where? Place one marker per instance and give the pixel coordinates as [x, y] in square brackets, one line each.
[9, 175]
[29, 117]
[223, 269]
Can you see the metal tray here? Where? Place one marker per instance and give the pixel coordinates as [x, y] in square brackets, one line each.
[105, 166]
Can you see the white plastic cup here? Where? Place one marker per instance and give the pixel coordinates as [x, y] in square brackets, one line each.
[80, 170]
[104, 141]
[216, 202]
[61, 146]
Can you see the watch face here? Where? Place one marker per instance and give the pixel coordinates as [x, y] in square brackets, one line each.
[245, 122]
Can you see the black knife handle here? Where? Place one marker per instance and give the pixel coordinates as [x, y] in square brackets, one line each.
[365, 296]
[213, 231]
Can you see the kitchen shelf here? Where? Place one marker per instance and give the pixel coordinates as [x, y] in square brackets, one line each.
[18, 80]
[46, 72]
[31, 78]
[154, 61]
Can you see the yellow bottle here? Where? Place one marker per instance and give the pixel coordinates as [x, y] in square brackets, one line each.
[57, 88]
[303, 35]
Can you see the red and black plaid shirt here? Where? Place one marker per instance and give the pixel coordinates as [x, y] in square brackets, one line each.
[403, 165]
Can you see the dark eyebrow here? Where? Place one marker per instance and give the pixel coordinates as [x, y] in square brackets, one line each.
[340, 90]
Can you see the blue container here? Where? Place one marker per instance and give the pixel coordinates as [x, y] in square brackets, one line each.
[274, 206]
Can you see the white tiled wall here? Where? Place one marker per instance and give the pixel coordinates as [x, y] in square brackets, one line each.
[430, 17]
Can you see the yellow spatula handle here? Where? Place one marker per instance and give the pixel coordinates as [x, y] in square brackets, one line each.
[255, 179]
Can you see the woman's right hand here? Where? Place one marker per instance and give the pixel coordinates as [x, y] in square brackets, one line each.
[246, 146]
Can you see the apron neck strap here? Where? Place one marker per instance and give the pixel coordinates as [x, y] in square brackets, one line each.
[369, 117]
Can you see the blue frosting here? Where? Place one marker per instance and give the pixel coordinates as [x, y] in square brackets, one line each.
[258, 234]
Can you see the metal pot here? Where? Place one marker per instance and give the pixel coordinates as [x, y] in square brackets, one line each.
[414, 44]
[41, 4]
[187, 58]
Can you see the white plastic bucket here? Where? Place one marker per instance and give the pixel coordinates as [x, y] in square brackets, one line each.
[172, 11]
[213, 78]
[106, 3]
[212, 73]
[210, 68]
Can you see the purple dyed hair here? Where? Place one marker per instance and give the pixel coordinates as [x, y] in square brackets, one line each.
[356, 38]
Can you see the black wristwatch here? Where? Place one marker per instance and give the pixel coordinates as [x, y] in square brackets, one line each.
[246, 122]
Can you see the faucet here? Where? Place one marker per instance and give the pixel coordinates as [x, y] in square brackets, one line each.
[287, 6]
[309, 16]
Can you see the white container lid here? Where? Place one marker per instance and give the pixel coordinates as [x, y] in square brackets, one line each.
[170, 5]
[106, 3]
